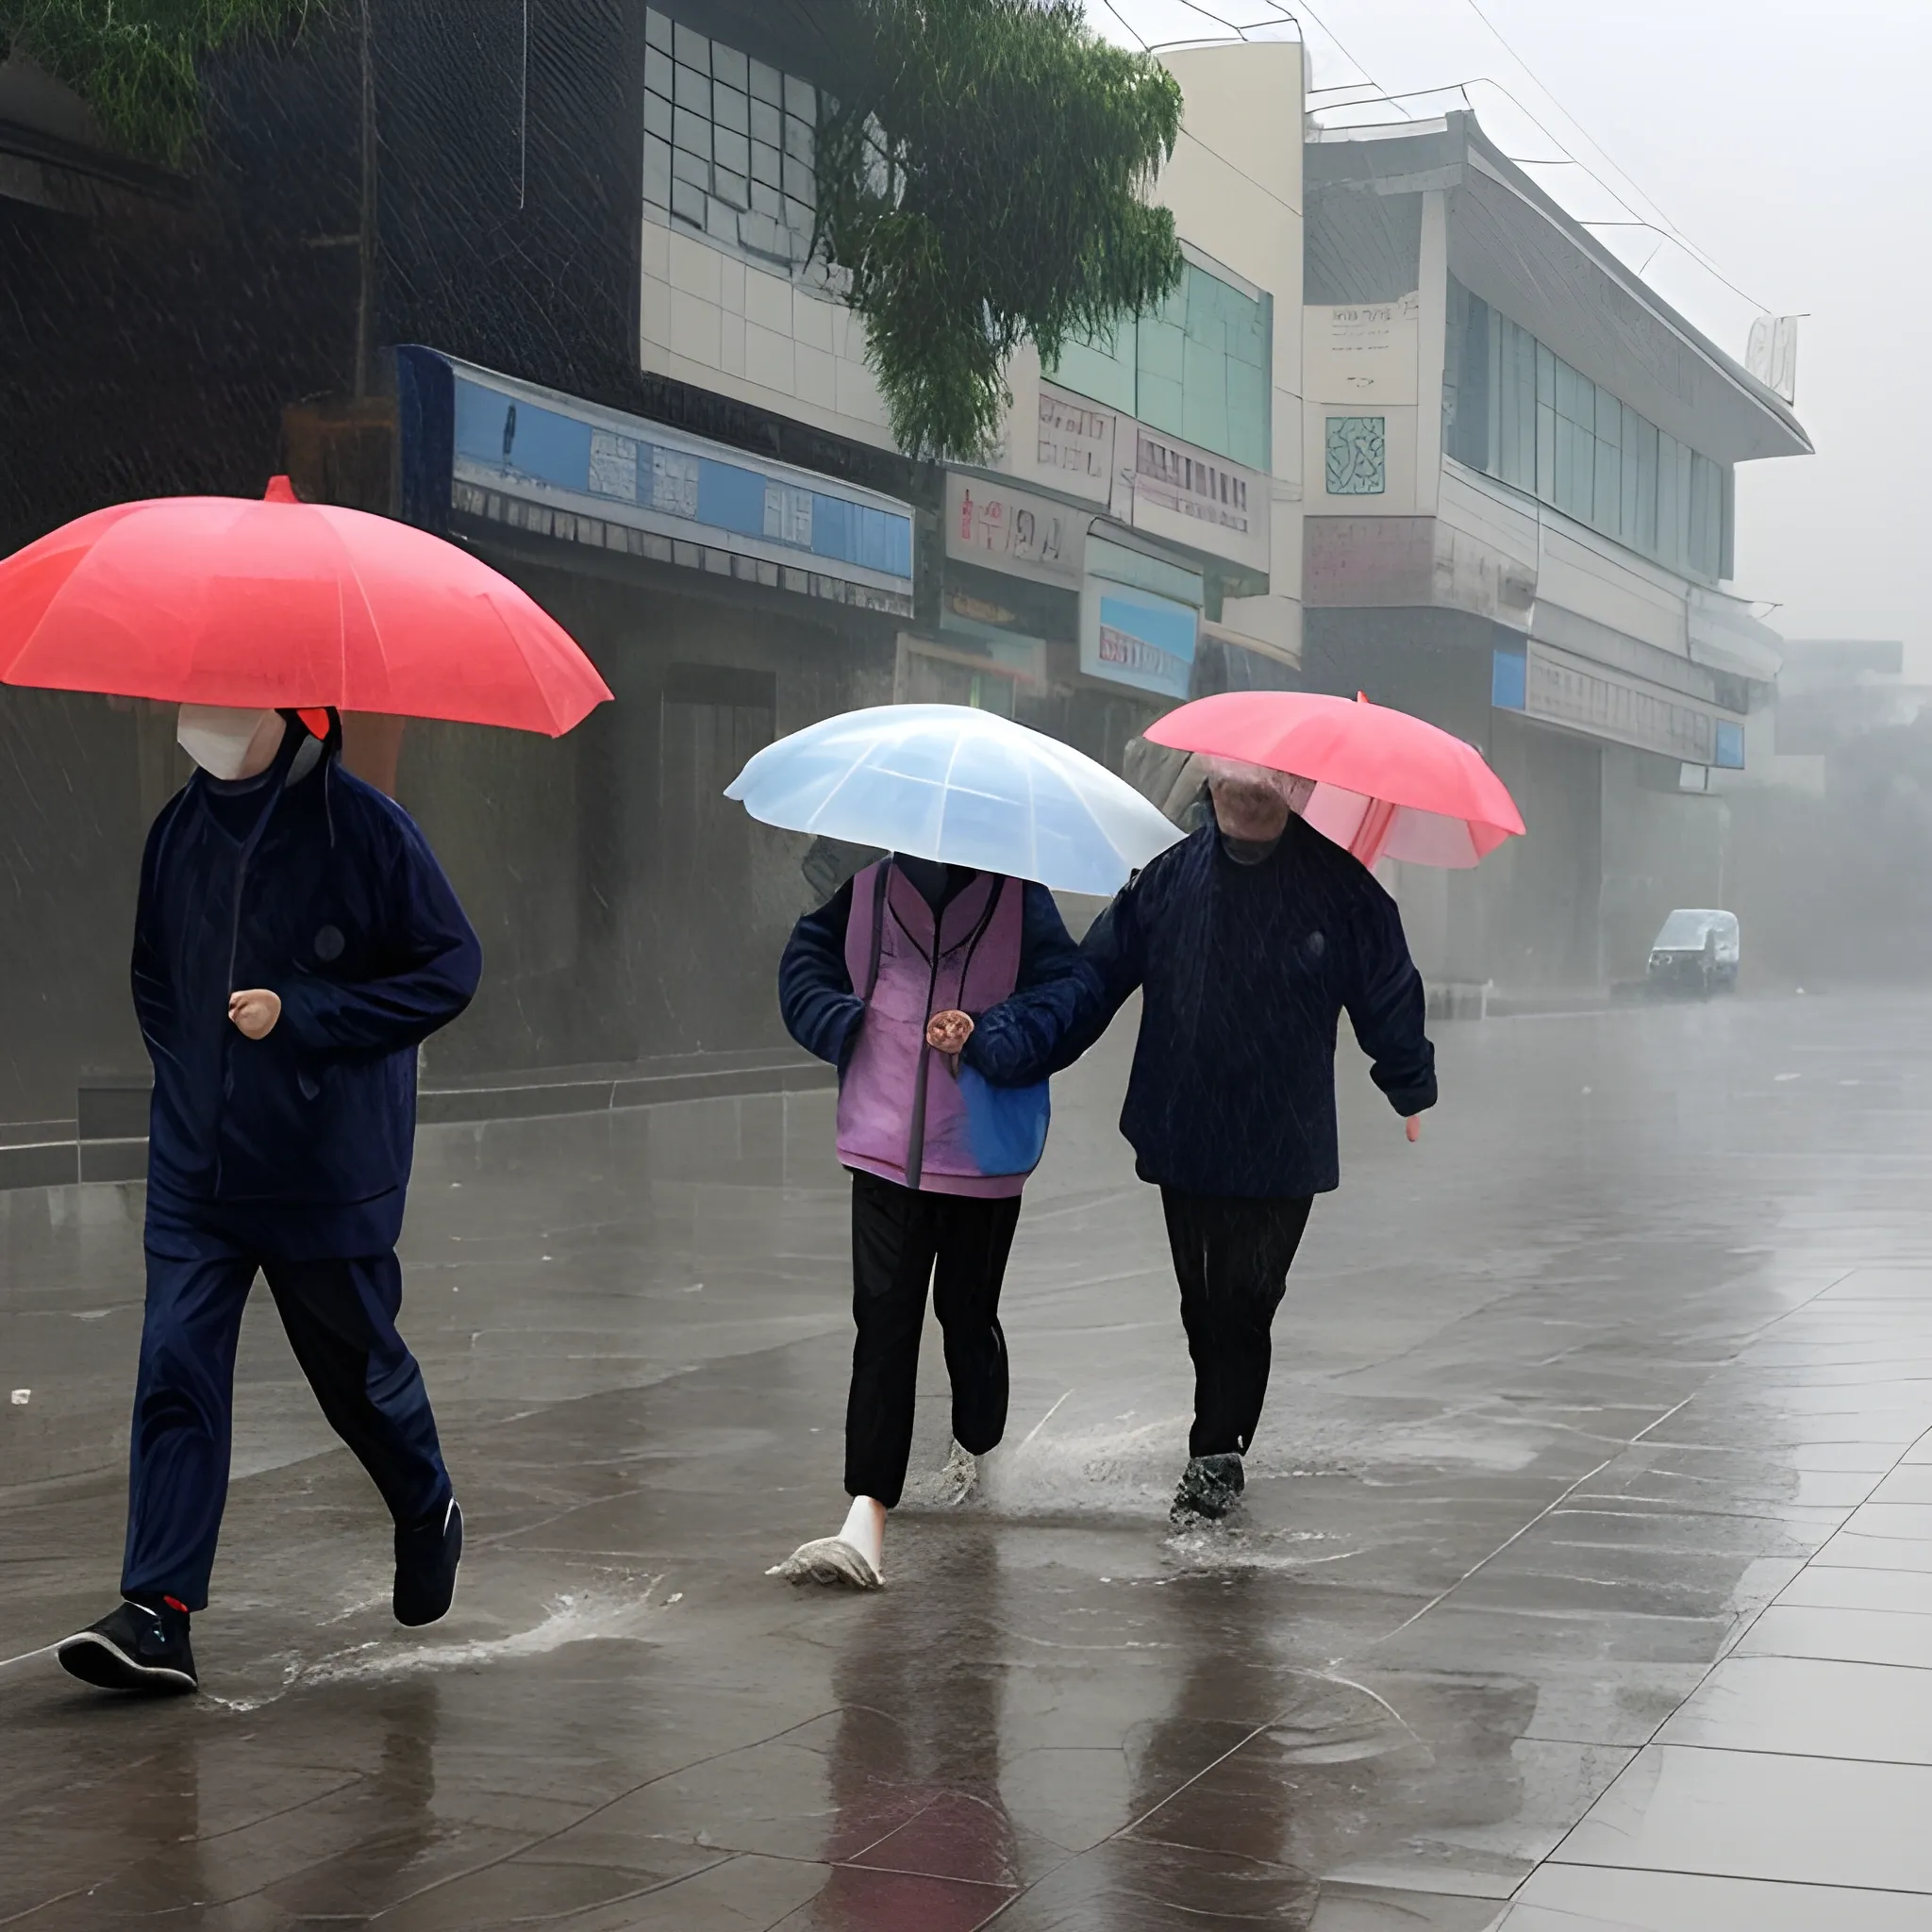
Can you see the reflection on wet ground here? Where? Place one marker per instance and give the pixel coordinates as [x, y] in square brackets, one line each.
[1637, 1344]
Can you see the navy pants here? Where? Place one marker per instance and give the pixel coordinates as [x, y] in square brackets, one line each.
[341, 1318]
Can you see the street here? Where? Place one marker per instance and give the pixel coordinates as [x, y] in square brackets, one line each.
[1564, 1398]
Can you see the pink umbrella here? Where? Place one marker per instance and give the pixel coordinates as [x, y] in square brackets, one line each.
[272, 604]
[1387, 784]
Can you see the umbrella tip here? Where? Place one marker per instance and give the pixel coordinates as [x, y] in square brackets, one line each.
[280, 490]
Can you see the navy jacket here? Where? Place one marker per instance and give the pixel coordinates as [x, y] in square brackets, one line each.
[323, 892]
[822, 1012]
[1245, 972]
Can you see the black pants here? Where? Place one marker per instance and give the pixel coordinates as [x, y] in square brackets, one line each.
[901, 1239]
[1231, 1257]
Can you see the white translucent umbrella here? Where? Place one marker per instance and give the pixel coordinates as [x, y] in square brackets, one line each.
[960, 785]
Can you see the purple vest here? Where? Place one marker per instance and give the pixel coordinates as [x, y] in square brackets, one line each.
[902, 1113]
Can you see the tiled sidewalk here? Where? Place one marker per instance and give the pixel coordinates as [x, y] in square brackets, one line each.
[1792, 1791]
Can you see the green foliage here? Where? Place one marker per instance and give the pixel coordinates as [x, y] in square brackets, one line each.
[133, 61]
[982, 182]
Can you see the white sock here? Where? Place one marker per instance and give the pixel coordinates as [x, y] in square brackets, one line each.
[865, 1530]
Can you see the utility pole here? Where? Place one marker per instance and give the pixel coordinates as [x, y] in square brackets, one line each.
[365, 300]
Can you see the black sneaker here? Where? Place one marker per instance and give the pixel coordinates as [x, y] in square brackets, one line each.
[427, 1559]
[135, 1647]
[1209, 1488]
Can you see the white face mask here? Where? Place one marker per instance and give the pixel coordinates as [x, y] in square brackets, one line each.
[229, 743]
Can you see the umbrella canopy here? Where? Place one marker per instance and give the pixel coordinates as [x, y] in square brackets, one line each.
[960, 785]
[221, 600]
[1387, 784]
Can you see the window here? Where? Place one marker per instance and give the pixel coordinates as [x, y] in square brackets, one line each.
[1198, 367]
[1518, 412]
[729, 145]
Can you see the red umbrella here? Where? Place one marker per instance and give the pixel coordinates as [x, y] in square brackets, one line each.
[1387, 784]
[221, 600]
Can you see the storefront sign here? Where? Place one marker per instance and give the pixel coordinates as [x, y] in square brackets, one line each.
[1191, 485]
[1133, 637]
[1592, 698]
[1076, 444]
[548, 462]
[1013, 530]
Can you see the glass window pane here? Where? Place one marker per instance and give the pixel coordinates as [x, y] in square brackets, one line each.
[694, 91]
[1632, 439]
[730, 108]
[730, 66]
[1545, 376]
[692, 132]
[1643, 531]
[767, 84]
[1565, 494]
[693, 49]
[658, 28]
[1249, 415]
[1545, 481]
[1101, 370]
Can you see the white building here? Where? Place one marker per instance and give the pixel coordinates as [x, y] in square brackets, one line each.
[1519, 525]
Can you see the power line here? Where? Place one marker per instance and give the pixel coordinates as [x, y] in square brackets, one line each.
[1671, 233]
[1610, 160]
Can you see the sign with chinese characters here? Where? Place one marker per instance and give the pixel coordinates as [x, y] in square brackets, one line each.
[1181, 479]
[1130, 636]
[1592, 698]
[535, 452]
[1362, 352]
[1014, 530]
[1076, 444]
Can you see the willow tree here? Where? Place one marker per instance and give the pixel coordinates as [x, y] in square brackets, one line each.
[983, 181]
[134, 61]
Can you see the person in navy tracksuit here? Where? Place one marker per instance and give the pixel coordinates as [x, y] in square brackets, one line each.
[295, 943]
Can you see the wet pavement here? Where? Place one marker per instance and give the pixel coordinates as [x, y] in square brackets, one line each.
[1584, 1580]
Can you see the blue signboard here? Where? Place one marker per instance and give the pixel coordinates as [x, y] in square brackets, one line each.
[1134, 637]
[465, 426]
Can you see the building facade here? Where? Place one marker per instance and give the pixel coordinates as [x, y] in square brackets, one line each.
[1520, 524]
[1136, 540]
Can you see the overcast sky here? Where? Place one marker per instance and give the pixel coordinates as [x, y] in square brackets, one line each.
[1793, 146]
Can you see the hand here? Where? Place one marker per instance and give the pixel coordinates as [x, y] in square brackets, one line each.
[948, 1032]
[255, 1012]
[1415, 1128]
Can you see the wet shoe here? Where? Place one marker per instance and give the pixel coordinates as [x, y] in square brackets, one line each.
[134, 1648]
[1209, 1488]
[427, 1559]
[832, 1562]
[959, 1479]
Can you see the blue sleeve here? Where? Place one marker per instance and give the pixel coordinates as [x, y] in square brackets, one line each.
[434, 963]
[821, 1010]
[1047, 951]
[1388, 1010]
[1049, 1023]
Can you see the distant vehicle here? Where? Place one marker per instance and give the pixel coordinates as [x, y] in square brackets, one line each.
[1697, 950]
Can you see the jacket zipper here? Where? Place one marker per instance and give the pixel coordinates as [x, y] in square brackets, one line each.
[915, 1145]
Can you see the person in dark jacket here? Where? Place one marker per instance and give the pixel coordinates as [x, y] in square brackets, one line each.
[1247, 940]
[938, 1156]
[295, 941]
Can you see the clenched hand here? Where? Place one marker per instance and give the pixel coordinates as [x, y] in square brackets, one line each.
[948, 1032]
[255, 1012]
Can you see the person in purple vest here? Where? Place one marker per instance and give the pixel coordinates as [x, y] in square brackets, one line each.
[938, 1156]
